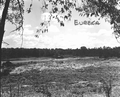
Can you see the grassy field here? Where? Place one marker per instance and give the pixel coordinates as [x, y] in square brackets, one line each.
[67, 77]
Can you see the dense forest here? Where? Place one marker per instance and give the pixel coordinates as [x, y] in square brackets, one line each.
[102, 52]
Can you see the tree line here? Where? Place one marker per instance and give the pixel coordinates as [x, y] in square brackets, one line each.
[101, 52]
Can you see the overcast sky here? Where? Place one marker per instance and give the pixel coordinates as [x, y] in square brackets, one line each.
[69, 36]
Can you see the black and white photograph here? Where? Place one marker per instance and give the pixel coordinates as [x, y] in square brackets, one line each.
[60, 48]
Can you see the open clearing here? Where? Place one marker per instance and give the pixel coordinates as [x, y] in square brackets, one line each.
[65, 77]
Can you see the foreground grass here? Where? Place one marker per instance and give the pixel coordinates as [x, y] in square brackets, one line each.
[85, 81]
